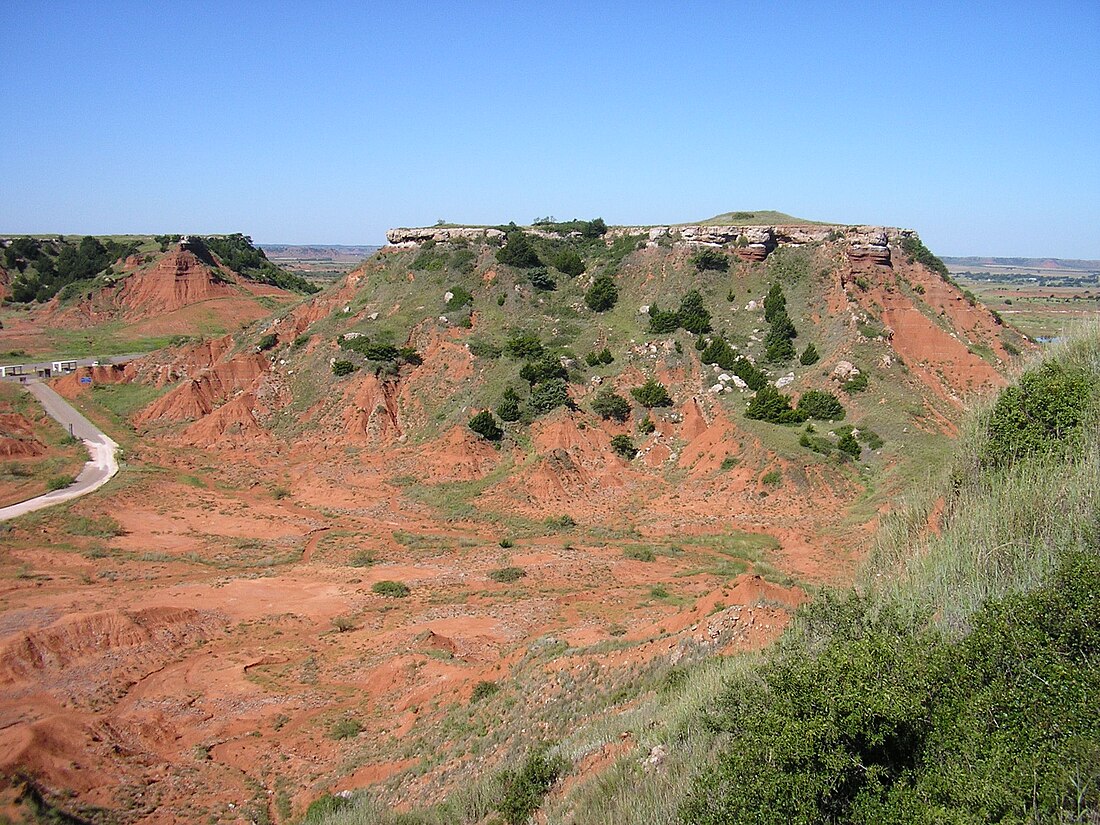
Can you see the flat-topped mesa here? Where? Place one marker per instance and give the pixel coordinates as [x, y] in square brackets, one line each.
[751, 243]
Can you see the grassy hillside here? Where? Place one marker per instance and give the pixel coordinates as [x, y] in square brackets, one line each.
[758, 217]
[958, 682]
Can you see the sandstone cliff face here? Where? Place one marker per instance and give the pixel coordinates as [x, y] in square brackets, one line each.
[751, 243]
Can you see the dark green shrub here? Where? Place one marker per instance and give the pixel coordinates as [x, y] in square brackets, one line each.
[710, 260]
[809, 356]
[748, 372]
[486, 426]
[568, 262]
[506, 543]
[662, 322]
[561, 522]
[509, 409]
[728, 463]
[1044, 412]
[341, 367]
[769, 404]
[777, 343]
[392, 589]
[775, 302]
[267, 342]
[548, 366]
[719, 352]
[870, 439]
[640, 554]
[652, 394]
[772, 478]
[501, 299]
[816, 443]
[524, 345]
[59, 482]
[518, 251]
[646, 426]
[624, 446]
[592, 359]
[608, 404]
[848, 444]
[549, 395]
[693, 315]
[483, 690]
[460, 296]
[541, 279]
[823, 406]
[507, 574]
[524, 789]
[485, 349]
[606, 357]
[602, 295]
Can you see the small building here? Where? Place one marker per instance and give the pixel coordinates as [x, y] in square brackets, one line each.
[13, 370]
[63, 367]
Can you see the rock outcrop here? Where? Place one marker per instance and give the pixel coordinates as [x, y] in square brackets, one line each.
[751, 243]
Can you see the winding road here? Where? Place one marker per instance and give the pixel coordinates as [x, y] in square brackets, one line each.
[100, 468]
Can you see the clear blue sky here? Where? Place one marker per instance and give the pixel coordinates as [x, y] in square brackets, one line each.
[976, 124]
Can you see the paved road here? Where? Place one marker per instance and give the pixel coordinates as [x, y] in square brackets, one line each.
[101, 450]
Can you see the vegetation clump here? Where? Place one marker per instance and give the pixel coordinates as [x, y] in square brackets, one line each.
[486, 426]
[602, 295]
[710, 260]
[518, 251]
[507, 574]
[624, 446]
[392, 589]
[608, 404]
[524, 789]
[823, 406]
[652, 394]
[770, 405]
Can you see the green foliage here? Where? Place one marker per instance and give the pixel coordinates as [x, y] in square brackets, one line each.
[460, 297]
[662, 322]
[719, 352]
[509, 409]
[523, 345]
[624, 446]
[748, 372]
[542, 369]
[483, 690]
[42, 268]
[518, 251]
[592, 358]
[816, 443]
[341, 367]
[790, 264]
[568, 262]
[610, 405]
[59, 482]
[887, 721]
[775, 302]
[772, 478]
[809, 356]
[549, 395]
[430, 258]
[857, 383]
[524, 789]
[1044, 412]
[237, 252]
[392, 589]
[540, 279]
[693, 315]
[710, 260]
[267, 342]
[652, 394]
[646, 426]
[586, 229]
[769, 404]
[728, 463]
[847, 443]
[823, 406]
[486, 426]
[463, 260]
[507, 574]
[645, 554]
[602, 295]
[345, 728]
[777, 343]
[916, 250]
[323, 807]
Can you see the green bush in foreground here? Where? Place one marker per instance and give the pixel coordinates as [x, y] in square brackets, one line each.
[525, 788]
[770, 405]
[624, 446]
[1044, 411]
[602, 295]
[890, 722]
[822, 406]
[608, 404]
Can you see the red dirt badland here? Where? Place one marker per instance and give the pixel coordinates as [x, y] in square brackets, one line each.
[201, 639]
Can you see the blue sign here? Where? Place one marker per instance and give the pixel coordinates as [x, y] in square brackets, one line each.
[85, 379]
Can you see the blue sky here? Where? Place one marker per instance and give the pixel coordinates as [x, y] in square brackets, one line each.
[976, 124]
